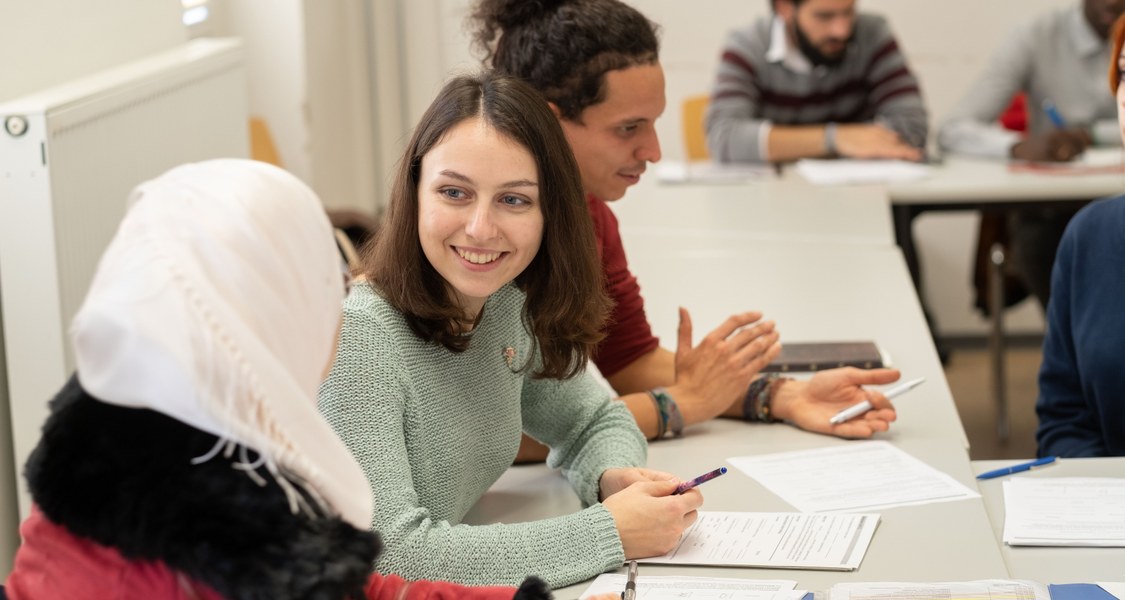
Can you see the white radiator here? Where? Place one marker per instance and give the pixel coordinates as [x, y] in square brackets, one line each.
[68, 158]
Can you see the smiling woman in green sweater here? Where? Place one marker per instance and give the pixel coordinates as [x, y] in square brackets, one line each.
[481, 302]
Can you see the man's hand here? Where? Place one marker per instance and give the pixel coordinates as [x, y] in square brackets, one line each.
[1057, 145]
[810, 404]
[873, 141]
[714, 374]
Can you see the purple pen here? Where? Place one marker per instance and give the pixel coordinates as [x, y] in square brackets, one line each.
[687, 485]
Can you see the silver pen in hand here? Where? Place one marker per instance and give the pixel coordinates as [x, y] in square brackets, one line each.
[631, 583]
[858, 409]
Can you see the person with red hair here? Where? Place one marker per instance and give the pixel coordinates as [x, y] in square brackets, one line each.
[1080, 409]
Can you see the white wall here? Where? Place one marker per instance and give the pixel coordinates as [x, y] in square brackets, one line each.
[946, 43]
[309, 77]
[339, 105]
[47, 42]
[273, 36]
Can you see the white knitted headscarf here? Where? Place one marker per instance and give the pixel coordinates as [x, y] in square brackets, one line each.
[217, 304]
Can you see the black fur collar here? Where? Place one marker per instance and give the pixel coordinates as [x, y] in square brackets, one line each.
[123, 478]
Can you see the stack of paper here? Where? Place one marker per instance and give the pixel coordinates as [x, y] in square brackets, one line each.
[1064, 511]
[859, 476]
[670, 588]
[844, 171]
[1093, 161]
[988, 589]
[774, 540]
[711, 172]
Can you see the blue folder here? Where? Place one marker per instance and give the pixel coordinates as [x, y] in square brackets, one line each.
[1079, 591]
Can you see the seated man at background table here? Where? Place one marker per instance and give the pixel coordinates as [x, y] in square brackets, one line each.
[815, 79]
[1058, 60]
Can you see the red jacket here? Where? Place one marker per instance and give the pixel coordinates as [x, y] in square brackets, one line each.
[52, 563]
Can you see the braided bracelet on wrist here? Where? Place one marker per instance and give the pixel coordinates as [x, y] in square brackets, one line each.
[671, 420]
[756, 403]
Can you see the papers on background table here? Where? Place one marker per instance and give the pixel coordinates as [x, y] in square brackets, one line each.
[711, 172]
[774, 540]
[1094, 161]
[844, 171]
[1064, 511]
[858, 476]
[987, 589]
[1101, 157]
[657, 587]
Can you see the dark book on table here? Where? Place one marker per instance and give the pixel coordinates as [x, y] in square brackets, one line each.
[817, 356]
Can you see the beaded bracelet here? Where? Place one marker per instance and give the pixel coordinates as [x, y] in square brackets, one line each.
[671, 420]
[756, 403]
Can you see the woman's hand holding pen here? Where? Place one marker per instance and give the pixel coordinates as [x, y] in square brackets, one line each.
[649, 518]
[615, 480]
[714, 374]
[810, 404]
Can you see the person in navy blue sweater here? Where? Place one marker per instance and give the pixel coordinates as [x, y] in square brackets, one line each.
[1081, 381]
[1081, 405]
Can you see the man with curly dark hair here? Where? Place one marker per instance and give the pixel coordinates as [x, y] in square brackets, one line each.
[597, 63]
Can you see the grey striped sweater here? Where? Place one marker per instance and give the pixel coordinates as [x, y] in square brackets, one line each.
[873, 83]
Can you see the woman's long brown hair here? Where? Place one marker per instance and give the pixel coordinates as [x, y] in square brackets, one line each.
[566, 304]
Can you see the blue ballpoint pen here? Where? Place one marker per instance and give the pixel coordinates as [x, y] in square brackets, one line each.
[1053, 114]
[1027, 466]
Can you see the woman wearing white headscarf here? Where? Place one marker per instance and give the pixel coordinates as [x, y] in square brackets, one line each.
[186, 458]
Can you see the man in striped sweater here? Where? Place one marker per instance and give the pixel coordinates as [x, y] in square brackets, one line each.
[815, 79]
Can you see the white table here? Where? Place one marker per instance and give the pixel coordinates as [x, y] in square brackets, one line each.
[1046, 564]
[932, 542]
[814, 291]
[960, 183]
[767, 209]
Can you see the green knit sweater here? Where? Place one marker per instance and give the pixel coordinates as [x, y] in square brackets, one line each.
[433, 429]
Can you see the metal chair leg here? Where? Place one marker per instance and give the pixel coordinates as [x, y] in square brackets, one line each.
[996, 338]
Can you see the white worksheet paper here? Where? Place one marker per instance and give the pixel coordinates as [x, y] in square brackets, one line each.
[658, 587]
[1101, 157]
[839, 171]
[712, 172]
[987, 589]
[1064, 511]
[856, 477]
[774, 540]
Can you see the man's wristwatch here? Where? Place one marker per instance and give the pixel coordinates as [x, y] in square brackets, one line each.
[830, 138]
